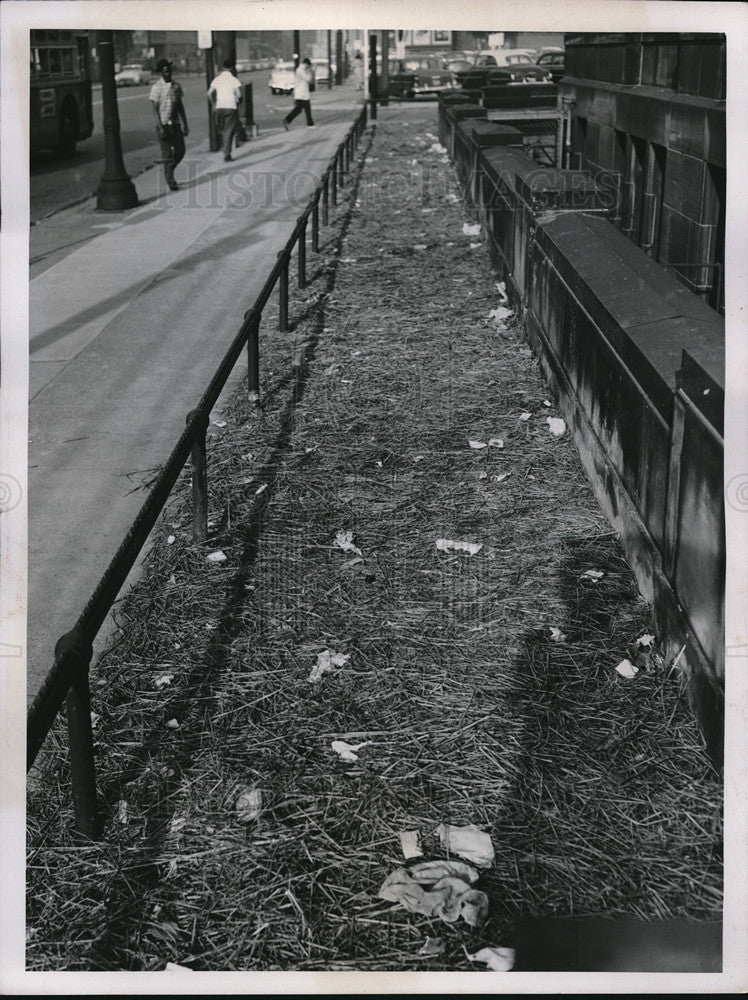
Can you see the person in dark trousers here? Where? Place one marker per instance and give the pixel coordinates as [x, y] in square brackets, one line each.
[171, 120]
[303, 78]
[225, 94]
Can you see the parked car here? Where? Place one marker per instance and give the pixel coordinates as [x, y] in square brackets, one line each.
[281, 78]
[321, 70]
[426, 74]
[456, 62]
[132, 75]
[244, 65]
[504, 57]
[554, 61]
[501, 66]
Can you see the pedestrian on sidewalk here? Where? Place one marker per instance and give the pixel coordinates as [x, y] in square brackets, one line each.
[171, 120]
[225, 94]
[303, 78]
[358, 71]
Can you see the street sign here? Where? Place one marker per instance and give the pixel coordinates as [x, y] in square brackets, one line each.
[205, 39]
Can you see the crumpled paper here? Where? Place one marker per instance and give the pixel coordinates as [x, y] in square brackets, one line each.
[449, 897]
[448, 544]
[347, 751]
[344, 540]
[326, 661]
[627, 669]
[469, 842]
[498, 959]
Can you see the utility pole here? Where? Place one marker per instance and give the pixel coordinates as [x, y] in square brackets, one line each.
[373, 74]
[296, 49]
[339, 57]
[329, 60]
[385, 85]
[206, 43]
[116, 191]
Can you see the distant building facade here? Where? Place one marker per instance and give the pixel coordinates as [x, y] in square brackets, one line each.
[649, 113]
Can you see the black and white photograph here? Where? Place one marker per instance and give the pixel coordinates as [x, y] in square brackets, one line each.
[372, 492]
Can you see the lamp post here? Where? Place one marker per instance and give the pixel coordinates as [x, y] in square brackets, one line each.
[329, 60]
[205, 42]
[116, 191]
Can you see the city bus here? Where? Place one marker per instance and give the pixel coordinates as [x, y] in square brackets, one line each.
[60, 102]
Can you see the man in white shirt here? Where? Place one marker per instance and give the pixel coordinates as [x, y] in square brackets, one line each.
[225, 94]
[303, 78]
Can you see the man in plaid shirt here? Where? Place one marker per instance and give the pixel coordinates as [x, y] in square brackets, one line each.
[168, 109]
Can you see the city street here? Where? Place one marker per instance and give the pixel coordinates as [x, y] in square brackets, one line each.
[56, 183]
[123, 343]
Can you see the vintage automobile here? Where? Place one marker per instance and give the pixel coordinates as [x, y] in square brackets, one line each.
[281, 78]
[500, 66]
[321, 70]
[418, 75]
[132, 75]
[553, 60]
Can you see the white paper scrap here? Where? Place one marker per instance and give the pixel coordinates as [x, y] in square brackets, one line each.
[216, 557]
[410, 844]
[556, 425]
[469, 842]
[447, 544]
[627, 669]
[497, 959]
[344, 540]
[477, 444]
[348, 751]
[471, 230]
[326, 661]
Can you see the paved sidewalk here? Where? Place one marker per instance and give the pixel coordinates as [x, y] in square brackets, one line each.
[130, 314]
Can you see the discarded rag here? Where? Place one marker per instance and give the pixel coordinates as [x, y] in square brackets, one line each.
[449, 897]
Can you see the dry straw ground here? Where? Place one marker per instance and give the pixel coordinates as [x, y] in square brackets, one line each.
[595, 789]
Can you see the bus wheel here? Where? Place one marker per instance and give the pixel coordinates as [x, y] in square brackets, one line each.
[68, 130]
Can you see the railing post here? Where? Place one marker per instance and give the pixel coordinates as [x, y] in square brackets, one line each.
[340, 158]
[302, 252]
[253, 357]
[326, 199]
[75, 645]
[199, 477]
[334, 179]
[283, 292]
[315, 225]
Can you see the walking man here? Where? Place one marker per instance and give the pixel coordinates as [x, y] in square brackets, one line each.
[303, 78]
[225, 94]
[171, 118]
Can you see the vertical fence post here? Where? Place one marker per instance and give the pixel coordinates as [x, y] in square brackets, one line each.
[199, 477]
[253, 357]
[315, 224]
[74, 645]
[326, 199]
[283, 292]
[302, 252]
[334, 179]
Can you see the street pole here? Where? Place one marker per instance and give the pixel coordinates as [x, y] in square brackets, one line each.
[210, 72]
[373, 74]
[385, 85]
[296, 49]
[329, 60]
[116, 191]
[339, 57]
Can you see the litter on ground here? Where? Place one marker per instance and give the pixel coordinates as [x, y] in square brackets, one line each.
[497, 959]
[410, 844]
[477, 445]
[627, 669]
[344, 540]
[432, 947]
[471, 230]
[496, 443]
[248, 805]
[348, 751]
[556, 426]
[469, 842]
[500, 313]
[593, 574]
[327, 661]
[216, 557]
[448, 545]
[449, 897]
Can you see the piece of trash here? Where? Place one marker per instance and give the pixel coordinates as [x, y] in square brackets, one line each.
[163, 680]
[95, 719]
[219, 423]
[348, 751]
[216, 557]
[248, 805]
[447, 545]
[477, 444]
[500, 313]
[500, 477]
[467, 841]
[627, 669]
[482, 475]
[426, 872]
[497, 959]
[172, 724]
[556, 425]
[437, 148]
[122, 812]
[501, 289]
[327, 661]
[347, 260]
[171, 539]
[525, 415]
[410, 844]
[449, 897]
[261, 489]
[432, 946]
[593, 574]
[556, 634]
[344, 540]
[496, 443]
[420, 246]
[547, 402]
[471, 230]
[645, 640]
[173, 967]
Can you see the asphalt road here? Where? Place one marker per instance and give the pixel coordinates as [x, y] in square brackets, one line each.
[57, 183]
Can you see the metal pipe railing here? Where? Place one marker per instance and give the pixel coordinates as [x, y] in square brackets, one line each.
[68, 681]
